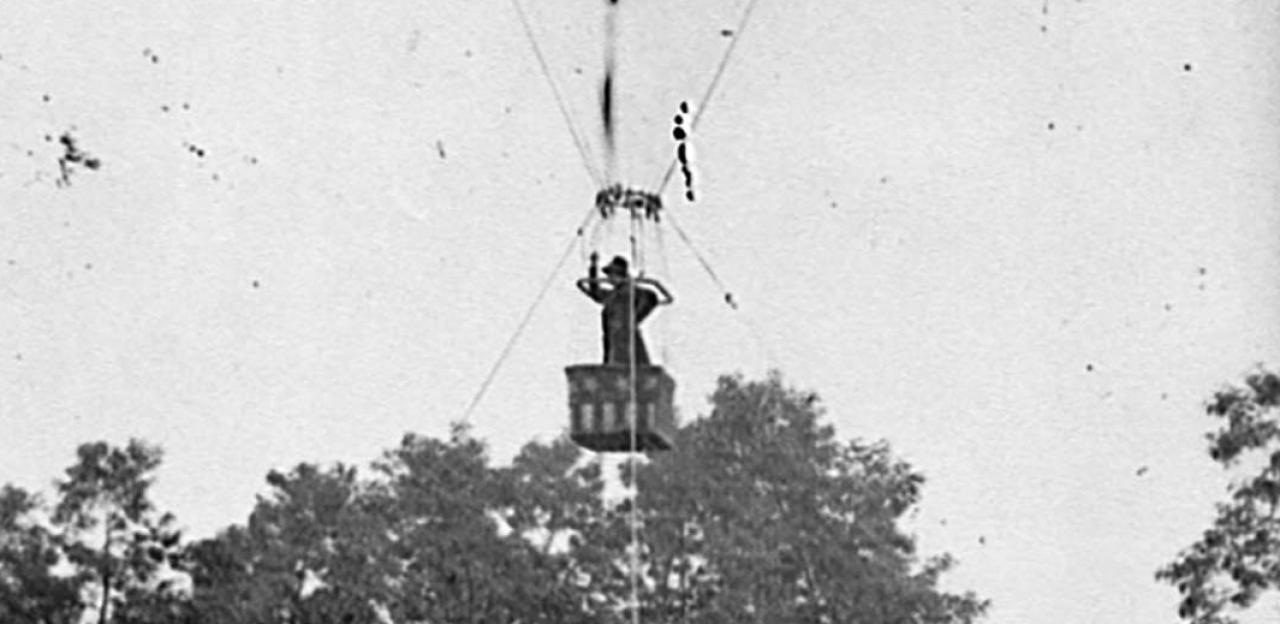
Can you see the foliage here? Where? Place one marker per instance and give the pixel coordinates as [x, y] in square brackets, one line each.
[761, 515]
[30, 592]
[111, 533]
[1239, 556]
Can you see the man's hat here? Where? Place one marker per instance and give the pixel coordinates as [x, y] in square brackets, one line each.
[617, 266]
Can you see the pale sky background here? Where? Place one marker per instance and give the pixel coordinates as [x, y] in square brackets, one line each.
[1022, 241]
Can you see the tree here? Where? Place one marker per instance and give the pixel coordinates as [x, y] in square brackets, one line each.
[437, 536]
[310, 553]
[30, 593]
[761, 515]
[112, 534]
[1239, 556]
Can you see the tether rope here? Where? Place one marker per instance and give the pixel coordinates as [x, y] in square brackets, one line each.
[524, 322]
[633, 414]
[583, 151]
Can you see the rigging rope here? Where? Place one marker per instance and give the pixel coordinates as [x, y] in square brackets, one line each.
[633, 410]
[524, 322]
[711, 88]
[583, 150]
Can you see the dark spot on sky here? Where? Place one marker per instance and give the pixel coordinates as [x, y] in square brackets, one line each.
[577, 70]
[884, 179]
[1164, 396]
[88, 266]
[468, 53]
[195, 149]
[186, 106]
[1203, 270]
[506, 109]
[73, 155]
[12, 262]
[164, 107]
[679, 120]
[440, 148]
[1141, 471]
[255, 283]
[253, 160]
[45, 97]
[678, 133]
[48, 138]
[1088, 367]
[684, 107]
[1051, 126]
[726, 33]
[982, 539]
[1168, 307]
[1186, 67]
[1044, 29]
[215, 177]
[18, 357]
[835, 205]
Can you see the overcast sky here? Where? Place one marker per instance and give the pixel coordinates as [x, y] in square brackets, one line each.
[1021, 241]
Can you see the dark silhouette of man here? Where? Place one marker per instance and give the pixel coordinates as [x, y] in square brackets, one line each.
[622, 297]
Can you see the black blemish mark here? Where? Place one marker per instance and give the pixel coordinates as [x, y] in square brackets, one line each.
[45, 97]
[884, 179]
[577, 70]
[215, 177]
[1141, 471]
[18, 357]
[186, 106]
[726, 33]
[164, 108]
[1088, 367]
[1164, 396]
[1079, 128]
[1186, 67]
[253, 160]
[88, 266]
[73, 155]
[48, 139]
[440, 149]
[834, 205]
[149, 55]
[982, 539]
[195, 149]
[12, 262]
[606, 107]
[506, 109]
[1203, 270]
[468, 53]
[680, 136]
[1051, 126]
[255, 283]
